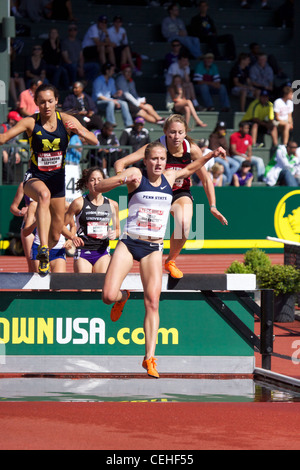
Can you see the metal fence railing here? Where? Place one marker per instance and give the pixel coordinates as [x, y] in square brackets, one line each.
[13, 170]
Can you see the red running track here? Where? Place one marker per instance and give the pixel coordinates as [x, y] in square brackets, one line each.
[159, 426]
[143, 426]
[202, 264]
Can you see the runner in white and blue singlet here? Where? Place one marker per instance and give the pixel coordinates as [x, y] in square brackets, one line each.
[150, 199]
[181, 151]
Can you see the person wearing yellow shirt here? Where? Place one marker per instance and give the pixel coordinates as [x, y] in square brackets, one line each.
[260, 114]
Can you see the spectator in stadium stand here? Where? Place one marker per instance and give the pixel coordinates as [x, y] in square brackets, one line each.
[108, 98]
[81, 105]
[35, 10]
[136, 136]
[208, 83]
[27, 105]
[243, 177]
[241, 149]
[283, 111]
[106, 157]
[16, 80]
[72, 55]
[203, 27]
[173, 27]
[119, 40]
[137, 105]
[182, 67]
[261, 75]
[284, 167]
[35, 66]
[96, 45]
[181, 105]
[218, 139]
[240, 82]
[254, 52]
[260, 115]
[173, 55]
[73, 58]
[55, 72]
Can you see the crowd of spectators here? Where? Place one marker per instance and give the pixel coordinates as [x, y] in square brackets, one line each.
[103, 61]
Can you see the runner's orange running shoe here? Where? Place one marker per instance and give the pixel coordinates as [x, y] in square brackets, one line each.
[117, 308]
[150, 366]
[173, 270]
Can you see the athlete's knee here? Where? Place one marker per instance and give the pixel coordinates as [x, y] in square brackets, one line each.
[151, 302]
[44, 197]
[109, 296]
[182, 229]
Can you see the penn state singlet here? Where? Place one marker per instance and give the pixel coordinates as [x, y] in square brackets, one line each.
[148, 209]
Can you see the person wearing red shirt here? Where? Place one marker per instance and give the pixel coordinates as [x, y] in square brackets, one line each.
[241, 149]
[27, 105]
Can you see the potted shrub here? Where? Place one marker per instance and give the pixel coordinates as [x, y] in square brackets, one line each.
[283, 279]
[256, 260]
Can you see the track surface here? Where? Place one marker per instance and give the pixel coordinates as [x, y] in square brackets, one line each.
[142, 426]
[201, 264]
[159, 426]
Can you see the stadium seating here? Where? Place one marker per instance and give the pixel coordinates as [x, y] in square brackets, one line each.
[142, 22]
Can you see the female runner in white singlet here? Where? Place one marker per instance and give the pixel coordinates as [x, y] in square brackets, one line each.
[150, 199]
[181, 150]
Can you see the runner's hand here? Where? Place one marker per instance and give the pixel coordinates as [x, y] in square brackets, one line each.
[218, 215]
[219, 152]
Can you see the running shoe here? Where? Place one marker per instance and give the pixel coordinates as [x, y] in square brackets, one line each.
[150, 366]
[173, 270]
[117, 308]
[43, 258]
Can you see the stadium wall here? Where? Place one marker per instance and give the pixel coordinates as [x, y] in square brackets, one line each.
[253, 214]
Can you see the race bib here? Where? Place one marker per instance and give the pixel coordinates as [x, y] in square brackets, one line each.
[49, 161]
[178, 183]
[97, 230]
[151, 219]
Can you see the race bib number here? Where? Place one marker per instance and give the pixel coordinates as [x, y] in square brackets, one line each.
[151, 219]
[49, 161]
[97, 230]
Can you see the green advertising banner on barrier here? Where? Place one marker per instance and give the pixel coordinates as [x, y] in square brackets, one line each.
[63, 325]
[252, 213]
[77, 323]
